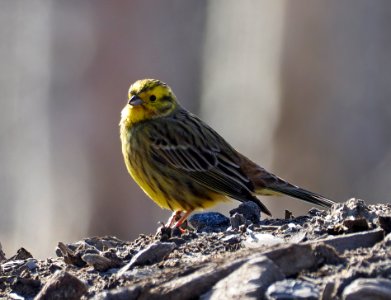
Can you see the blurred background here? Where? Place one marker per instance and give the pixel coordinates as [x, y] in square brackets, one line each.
[302, 87]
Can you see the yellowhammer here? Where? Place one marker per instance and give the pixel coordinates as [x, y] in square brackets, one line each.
[183, 164]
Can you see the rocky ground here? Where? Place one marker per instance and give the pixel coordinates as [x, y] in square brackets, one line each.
[343, 253]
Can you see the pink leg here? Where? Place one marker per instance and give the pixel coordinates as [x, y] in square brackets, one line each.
[183, 218]
[174, 217]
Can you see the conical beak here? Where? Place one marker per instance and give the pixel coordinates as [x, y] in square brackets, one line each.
[135, 101]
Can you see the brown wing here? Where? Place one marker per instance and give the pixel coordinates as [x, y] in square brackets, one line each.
[186, 144]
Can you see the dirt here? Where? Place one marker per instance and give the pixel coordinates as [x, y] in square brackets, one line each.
[165, 264]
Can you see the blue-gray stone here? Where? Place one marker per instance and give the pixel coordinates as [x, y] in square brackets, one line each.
[209, 222]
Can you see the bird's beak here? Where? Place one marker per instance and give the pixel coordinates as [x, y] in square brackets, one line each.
[135, 101]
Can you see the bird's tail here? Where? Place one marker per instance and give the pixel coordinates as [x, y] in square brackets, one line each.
[297, 192]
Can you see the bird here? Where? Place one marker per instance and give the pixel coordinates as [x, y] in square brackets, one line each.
[183, 164]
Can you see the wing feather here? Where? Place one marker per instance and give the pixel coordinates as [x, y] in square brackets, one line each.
[200, 153]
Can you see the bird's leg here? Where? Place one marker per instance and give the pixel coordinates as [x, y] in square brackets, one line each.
[176, 215]
[183, 218]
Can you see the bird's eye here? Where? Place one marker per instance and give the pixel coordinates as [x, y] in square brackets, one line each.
[152, 98]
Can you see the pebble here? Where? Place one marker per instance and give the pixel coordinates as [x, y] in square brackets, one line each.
[150, 255]
[368, 289]
[237, 220]
[249, 210]
[291, 289]
[31, 263]
[99, 262]
[62, 285]
[209, 222]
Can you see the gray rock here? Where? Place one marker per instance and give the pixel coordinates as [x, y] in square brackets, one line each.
[368, 289]
[150, 255]
[249, 281]
[123, 293]
[62, 285]
[209, 222]
[298, 237]
[22, 253]
[193, 285]
[249, 210]
[71, 256]
[291, 289]
[99, 262]
[351, 241]
[237, 220]
[294, 258]
[232, 239]
[2, 255]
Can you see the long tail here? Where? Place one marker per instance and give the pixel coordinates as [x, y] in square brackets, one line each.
[286, 188]
[266, 183]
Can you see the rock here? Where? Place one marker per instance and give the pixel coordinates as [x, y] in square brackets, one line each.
[326, 254]
[232, 239]
[315, 211]
[123, 293]
[21, 254]
[249, 210]
[100, 263]
[356, 224]
[292, 259]
[150, 255]
[15, 296]
[249, 281]
[2, 255]
[26, 287]
[18, 266]
[288, 215]
[193, 285]
[354, 240]
[384, 222]
[12, 265]
[177, 241]
[328, 291]
[31, 263]
[70, 256]
[292, 289]
[236, 221]
[368, 289]
[298, 237]
[379, 269]
[255, 240]
[209, 222]
[104, 243]
[352, 209]
[62, 285]
[387, 240]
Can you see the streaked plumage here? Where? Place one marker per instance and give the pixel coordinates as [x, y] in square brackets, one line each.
[183, 164]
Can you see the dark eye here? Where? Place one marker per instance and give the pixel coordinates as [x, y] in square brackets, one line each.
[152, 98]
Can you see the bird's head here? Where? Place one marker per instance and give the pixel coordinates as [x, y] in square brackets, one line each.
[148, 99]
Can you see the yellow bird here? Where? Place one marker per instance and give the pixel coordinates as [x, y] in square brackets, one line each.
[182, 164]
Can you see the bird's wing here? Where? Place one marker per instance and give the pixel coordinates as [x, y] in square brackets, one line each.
[188, 145]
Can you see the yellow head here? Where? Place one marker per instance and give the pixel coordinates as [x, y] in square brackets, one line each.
[148, 99]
